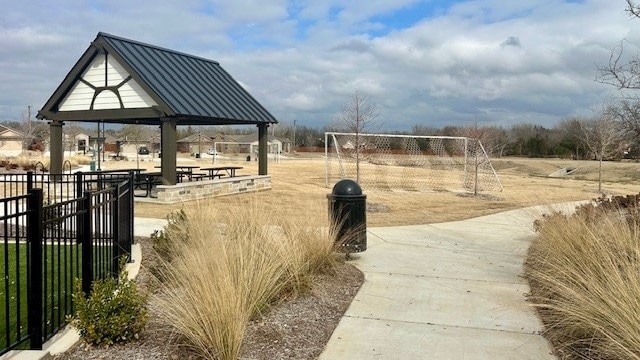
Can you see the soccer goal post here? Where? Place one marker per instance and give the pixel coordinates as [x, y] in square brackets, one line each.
[409, 162]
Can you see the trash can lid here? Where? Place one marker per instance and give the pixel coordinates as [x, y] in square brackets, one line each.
[346, 187]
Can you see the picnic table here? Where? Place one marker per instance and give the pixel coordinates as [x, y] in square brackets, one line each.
[183, 170]
[109, 177]
[216, 171]
[147, 181]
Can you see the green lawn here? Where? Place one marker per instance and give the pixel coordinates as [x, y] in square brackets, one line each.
[12, 273]
[56, 292]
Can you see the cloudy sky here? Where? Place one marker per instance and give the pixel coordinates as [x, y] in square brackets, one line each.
[423, 62]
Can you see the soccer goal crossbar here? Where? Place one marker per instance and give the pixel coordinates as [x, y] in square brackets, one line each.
[409, 162]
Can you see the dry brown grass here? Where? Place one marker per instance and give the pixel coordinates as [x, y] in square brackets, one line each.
[584, 273]
[29, 159]
[230, 267]
[299, 194]
[298, 185]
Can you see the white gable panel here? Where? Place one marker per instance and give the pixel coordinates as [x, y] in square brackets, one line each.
[79, 98]
[115, 72]
[95, 73]
[106, 100]
[133, 96]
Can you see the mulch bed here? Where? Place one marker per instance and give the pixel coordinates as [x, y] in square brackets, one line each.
[298, 328]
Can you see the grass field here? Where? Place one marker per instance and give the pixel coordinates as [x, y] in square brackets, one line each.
[56, 292]
[14, 269]
[298, 188]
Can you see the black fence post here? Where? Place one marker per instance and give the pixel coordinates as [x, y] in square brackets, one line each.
[87, 243]
[29, 180]
[34, 239]
[79, 217]
[115, 227]
[79, 184]
[131, 213]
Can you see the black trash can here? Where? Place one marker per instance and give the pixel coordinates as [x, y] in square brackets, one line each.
[248, 157]
[347, 212]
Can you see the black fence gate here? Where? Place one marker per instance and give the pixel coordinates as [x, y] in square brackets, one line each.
[47, 244]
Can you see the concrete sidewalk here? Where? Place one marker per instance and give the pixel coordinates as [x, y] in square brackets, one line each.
[444, 291]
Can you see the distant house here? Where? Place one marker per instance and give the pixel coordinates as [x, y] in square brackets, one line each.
[130, 147]
[85, 142]
[194, 144]
[274, 145]
[350, 144]
[248, 144]
[12, 142]
[286, 144]
[230, 144]
[81, 143]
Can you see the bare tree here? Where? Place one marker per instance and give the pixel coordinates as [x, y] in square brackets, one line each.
[603, 138]
[27, 129]
[627, 114]
[357, 116]
[620, 72]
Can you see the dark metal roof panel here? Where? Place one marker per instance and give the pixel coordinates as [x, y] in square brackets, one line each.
[189, 85]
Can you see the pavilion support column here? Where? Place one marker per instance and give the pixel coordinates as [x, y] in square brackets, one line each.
[56, 149]
[262, 149]
[168, 147]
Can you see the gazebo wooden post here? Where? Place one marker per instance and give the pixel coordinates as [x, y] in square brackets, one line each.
[168, 151]
[262, 149]
[56, 150]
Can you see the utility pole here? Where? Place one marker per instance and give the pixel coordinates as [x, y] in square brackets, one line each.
[294, 136]
[27, 131]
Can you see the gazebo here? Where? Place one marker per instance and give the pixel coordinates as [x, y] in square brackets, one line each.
[123, 81]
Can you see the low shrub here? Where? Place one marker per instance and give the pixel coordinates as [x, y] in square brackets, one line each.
[115, 311]
[176, 230]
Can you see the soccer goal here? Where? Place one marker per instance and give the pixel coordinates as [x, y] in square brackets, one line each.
[409, 162]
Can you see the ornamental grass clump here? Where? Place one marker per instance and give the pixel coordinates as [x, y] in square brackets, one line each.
[230, 269]
[584, 272]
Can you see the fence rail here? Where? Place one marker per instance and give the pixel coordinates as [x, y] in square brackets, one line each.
[50, 238]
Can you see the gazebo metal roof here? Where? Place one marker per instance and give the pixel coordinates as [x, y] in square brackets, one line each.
[119, 80]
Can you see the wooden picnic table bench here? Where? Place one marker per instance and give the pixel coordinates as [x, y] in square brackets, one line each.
[183, 171]
[148, 181]
[216, 171]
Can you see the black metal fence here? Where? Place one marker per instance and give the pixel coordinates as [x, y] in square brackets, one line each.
[49, 239]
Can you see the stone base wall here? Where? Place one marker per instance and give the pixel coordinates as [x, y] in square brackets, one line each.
[194, 190]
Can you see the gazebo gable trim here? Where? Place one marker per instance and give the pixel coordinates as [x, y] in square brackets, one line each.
[51, 110]
[50, 107]
[162, 103]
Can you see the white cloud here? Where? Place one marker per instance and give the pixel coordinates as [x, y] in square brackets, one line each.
[503, 61]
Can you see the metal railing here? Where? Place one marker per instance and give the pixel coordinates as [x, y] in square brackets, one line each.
[48, 243]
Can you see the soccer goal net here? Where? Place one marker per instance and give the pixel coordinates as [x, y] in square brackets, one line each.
[409, 162]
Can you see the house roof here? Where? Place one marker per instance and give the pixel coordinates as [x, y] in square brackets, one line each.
[125, 81]
[92, 134]
[5, 131]
[194, 138]
[251, 138]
